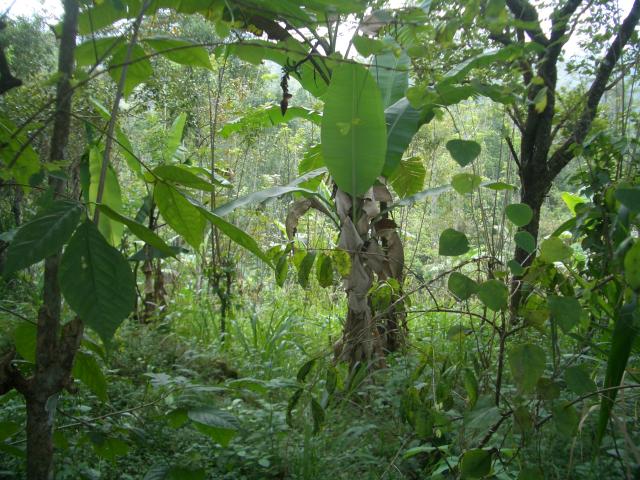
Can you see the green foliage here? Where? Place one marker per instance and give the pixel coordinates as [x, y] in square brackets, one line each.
[475, 463]
[180, 51]
[461, 286]
[179, 213]
[525, 241]
[465, 182]
[391, 73]
[403, 122]
[43, 236]
[268, 116]
[494, 294]
[96, 281]
[527, 362]
[453, 243]
[408, 177]
[553, 249]
[520, 214]
[353, 129]
[463, 151]
[217, 374]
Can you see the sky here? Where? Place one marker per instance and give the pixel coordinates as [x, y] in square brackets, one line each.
[49, 8]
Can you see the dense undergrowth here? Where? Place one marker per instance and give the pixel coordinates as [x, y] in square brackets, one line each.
[153, 371]
[258, 248]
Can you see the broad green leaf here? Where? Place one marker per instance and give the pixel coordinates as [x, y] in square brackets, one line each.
[180, 214]
[632, 266]
[402, 122]
[515, 268]
[43, 236]
[311, 160]
[553, 249]
[463, 151]
[475, 463]
[24, 339]
[182, 175]
[268, 116]
[287, 52]
[317, 414]
[324, 271]
[342, 262]
[565, 310]
[465, 182]
[391, 73]
[625, 331]
[380, 296]
[527, 362]
[408, 177]
[353, 129]
[96, 50]
[218, 425]
[461, 286]
[138, 71]
[87, 370]
[535, 311]
[291, 404]
[495, 14]
[525, 241]
[174, 137]
[148, 253]
[494, 294]
[522, 419]
[281, 270]
[237, 235]
[305, 269]
[571, 200]
[304, 370]
[103, 14]
[269, 193]
[96, 281]
[520, 214]
[579, 381]
[498, 186]
[111, 197]
[540, 100]
[547, 389]
[418, 197]
[140, 231]
[368, 46]
[453, 243]
[180, 51]
[629, 197]
[565, 419]
[488, 58]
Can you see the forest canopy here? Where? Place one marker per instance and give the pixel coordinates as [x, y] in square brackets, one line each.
[252, 239]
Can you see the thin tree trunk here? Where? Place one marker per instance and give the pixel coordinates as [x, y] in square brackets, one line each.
[54, 353]
[40, 422]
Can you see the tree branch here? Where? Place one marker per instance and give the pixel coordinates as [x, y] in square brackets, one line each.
[563, 154]
[526, 12]
[7, 80]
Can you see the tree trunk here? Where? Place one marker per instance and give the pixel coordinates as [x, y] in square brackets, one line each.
[55, 347]
[40, 418]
